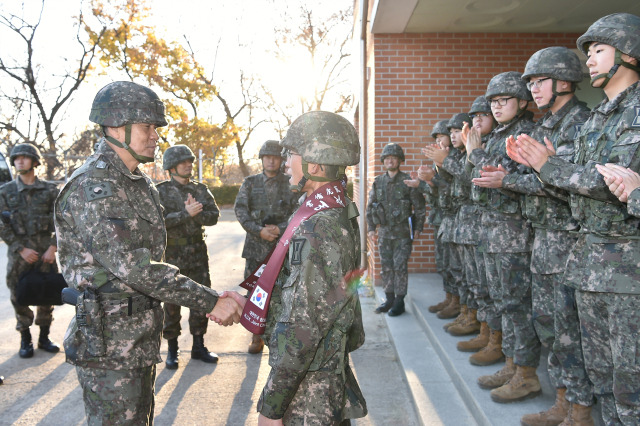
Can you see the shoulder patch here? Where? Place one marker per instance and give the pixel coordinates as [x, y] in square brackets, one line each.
[97, 191]
[636, 119]
[295, 256]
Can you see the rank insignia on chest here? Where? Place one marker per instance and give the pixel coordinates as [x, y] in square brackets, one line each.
[97, 191]
[636, 119]
[297, 244]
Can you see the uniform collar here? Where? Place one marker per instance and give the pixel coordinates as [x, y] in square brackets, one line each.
[107, 154]
[606, 107]
[551, 120]
[36, 184]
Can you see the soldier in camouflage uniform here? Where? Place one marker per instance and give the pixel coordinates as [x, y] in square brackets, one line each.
[391, 204]
[507, 239]
[111, 240]
[188, 206]
[314, 318]
[263, 206]
[603, 263]
[26, 205]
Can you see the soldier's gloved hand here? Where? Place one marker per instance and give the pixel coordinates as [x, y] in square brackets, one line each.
[269, 232]
[49, 256]
[266, 421]
[29, 255]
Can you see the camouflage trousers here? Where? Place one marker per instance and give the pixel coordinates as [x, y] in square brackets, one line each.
[470, 276]
[543, 294]
[197, 320]
[438, 249]
[509, 278]
[610, 325]
[16, 266]
[568, 347]
[118, 397]
[394, 256]
[486, 307]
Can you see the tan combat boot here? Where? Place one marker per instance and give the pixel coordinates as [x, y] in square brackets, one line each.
[553, 416]
[524, 384]
[498, 378]
[579, 415]
[478, 342]
[462, 316]
[468, 326]
[452, 310]
[257, 344]
[440, 306]
[490, 354]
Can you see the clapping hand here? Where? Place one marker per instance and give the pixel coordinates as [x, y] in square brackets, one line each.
[435, 153]
[413, 182]
[192, 206]
[621, 181]
[533, 152]
[490, 177]
[228, 309]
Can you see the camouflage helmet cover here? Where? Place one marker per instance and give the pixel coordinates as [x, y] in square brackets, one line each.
[124, 102]
[508, 83]
[458, 120]
[270, 147]
[393, 149]
[619, 30]
[440, 128]
[175, 155]
[480, 104]
[556, 62]
[27, 150]
[323, 137]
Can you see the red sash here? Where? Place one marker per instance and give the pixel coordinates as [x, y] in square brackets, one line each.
[262, 280]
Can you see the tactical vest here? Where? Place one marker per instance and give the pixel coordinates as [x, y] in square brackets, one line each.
[261, 206]
[397, 205]
[28, 218]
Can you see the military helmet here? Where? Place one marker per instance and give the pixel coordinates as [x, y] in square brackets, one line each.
[556, 62]
[124, 102]
[458, 120]
[395, 150]
[619, 30]
[323, 137]
[26, 149]
[270, 148]
[508, 84]
[175, 155]
[480, 104]
[440, 128]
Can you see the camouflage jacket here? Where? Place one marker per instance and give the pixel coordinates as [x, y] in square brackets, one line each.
[390, 205]
[431, 197]
[601, 260]
[262, 200]
[315, 317]
[111, 240]
[633, 203]
[506, 229]
[28, 210]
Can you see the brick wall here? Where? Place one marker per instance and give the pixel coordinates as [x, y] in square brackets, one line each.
[417, 79]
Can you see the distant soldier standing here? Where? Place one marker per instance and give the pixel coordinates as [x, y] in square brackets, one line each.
[391, 204]
[26, 205]
[263, 206]
[189, 206]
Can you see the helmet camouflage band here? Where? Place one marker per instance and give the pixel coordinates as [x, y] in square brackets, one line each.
[480, 104]
[440, 128]
[556, 62]
[175, 155]
[508, 84]
[27, 150]
[323, 137]
[395, 150]
[619, 30]
[270, 148]
[458, 120]
[124, 102]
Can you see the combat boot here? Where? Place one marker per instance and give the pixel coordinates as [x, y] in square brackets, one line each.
[469, 325]
[172, 361]
[199, 351]
[26, 347]
[498, 378]
[257, 344]
[524, 384]
[462, 316]
[490, 354]
[440, 306]
[553, 416]
[387, 304]
[44, 343]
[452, 310]
[579, 415]
[478, 342]
[398, 307]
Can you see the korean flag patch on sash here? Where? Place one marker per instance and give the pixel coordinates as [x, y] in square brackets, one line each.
[259, 297]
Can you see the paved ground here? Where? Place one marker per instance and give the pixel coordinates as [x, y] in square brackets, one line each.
[44, 390]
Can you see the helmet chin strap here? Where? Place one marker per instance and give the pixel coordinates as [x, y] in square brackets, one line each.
[616, 64]
[179, 175]
[308, 177]
[555, 95]
[126, 145]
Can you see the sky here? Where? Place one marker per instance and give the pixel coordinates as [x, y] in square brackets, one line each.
[226, 36]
